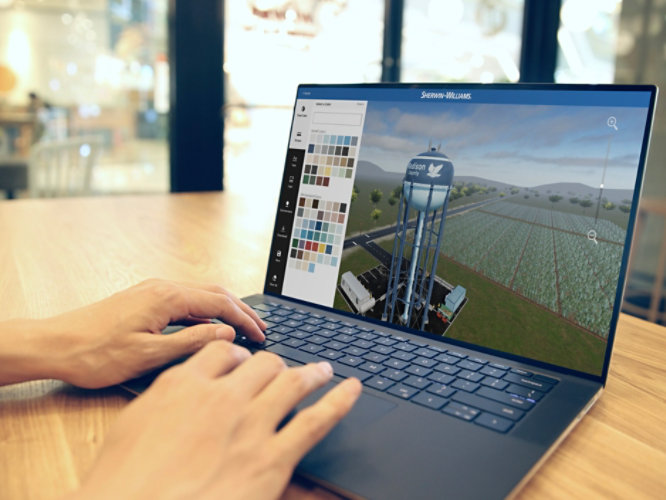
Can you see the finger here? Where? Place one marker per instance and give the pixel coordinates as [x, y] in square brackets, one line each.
[187, 341]
[185, 302]
[311, 424]
[288, 389]
[256, 373]
[221, 290]
[217, 358]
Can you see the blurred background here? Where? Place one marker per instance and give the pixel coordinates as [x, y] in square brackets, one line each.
[85, 85]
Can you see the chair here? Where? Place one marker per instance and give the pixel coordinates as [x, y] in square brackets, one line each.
[63, 167]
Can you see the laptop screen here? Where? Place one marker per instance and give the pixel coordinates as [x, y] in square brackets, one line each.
[493, 215]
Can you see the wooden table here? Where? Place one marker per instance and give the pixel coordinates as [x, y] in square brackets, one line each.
[60, 254]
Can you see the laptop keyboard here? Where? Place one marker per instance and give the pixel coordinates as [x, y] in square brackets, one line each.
[492, 395]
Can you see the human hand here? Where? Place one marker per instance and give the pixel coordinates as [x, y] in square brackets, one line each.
[207, 429]
[120, 337]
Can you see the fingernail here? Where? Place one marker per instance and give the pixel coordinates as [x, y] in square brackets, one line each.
[326, 367]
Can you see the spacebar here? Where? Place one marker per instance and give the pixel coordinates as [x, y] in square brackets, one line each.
[305, 357]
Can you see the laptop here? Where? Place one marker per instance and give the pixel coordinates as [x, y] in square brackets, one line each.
[462, 250]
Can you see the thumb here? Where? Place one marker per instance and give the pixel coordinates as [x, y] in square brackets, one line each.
[190, 340]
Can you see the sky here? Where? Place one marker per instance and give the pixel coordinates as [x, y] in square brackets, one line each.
[525, 146]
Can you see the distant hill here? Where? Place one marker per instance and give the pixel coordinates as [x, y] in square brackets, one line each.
[579, 190]
[368, 171]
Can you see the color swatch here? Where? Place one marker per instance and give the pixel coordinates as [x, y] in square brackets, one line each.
[319, 230]
[329, 156]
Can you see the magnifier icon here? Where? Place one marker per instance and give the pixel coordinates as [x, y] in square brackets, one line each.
[592, 236]
[612, 122]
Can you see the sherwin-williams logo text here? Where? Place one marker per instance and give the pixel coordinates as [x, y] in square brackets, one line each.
[448, 95]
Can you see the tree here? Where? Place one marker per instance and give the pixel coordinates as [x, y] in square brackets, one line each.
[586, 204]
[376, 196]
[375, 215]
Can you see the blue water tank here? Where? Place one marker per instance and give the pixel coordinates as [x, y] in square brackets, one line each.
[431, 168]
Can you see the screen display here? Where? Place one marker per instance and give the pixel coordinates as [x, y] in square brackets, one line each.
[497, 217]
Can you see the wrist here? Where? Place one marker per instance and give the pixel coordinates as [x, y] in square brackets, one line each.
[29, 350]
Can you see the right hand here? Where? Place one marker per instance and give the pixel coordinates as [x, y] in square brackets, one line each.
[207, 428]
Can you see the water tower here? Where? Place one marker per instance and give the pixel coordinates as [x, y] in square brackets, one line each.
[425, 190]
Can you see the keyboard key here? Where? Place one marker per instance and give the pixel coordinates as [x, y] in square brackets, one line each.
[334, 344]
[375, 357]
[276, 337]
[544, 378]
[353, 351]
[490, 421]
[465, 385]
[294, 342]
[469, 365]
[504, 397]
[382, 349]
[379, 383]
[495, 383]
[405, 346]
[396, 375]
[419, 371]
[313, 348]
[448, 369]
[429, 400]
[520, 372]
[363, 344]
[441, 378]
[402, 391]
[427, 362]
[487, 405]
[371, 367]
[324, 332]
[492, 372]
[441, 390]
[418, 382]
[282, 329]
[468, 375]
[395, 363]
[344, 338]
[524, 392]
[461, 411]
[331, 354]
[528, 382]
[405, 356]
[445, 358]
[425, 352]
[351, 360]
[478, 360]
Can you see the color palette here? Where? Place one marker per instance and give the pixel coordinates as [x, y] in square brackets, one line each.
[329, 156]
[319, 230]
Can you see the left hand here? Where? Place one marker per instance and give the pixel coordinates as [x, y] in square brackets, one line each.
[119, 338]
